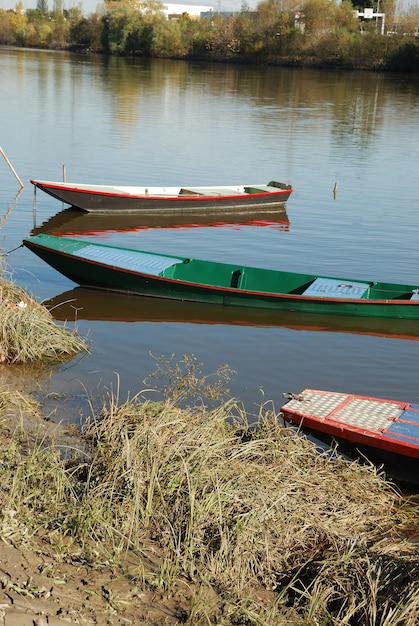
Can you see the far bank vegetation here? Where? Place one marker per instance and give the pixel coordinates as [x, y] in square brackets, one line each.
[317, 33]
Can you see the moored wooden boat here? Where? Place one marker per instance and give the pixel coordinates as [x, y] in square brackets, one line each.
[121, 269]
[385, 432]
[127, 199]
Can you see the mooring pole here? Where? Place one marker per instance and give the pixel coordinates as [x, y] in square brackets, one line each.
[11, 167]
[34, 206]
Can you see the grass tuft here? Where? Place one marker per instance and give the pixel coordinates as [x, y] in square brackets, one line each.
[29, 333]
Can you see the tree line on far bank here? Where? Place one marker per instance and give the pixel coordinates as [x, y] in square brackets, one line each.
[316, 33]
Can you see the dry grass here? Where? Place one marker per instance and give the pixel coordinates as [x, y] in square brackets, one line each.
[29, 333]
[240, 524]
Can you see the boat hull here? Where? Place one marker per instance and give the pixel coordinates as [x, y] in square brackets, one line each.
[396, 467]
[383, 432]
[96, 200]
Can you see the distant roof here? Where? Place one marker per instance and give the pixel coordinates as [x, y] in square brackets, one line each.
[191, 9]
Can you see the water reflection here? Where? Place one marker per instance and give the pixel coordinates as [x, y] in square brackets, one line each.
[10, 207]
[136, 93]
[90, 304]
[31, 377]
[75, 222]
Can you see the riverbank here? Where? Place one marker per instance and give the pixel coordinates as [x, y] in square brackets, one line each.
[321, 35]
[157, 514]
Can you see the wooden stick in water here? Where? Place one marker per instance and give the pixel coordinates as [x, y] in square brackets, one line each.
[11, 167]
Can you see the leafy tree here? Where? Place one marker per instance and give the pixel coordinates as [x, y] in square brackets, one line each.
[6, 35]
[245, 31]
[188, 30]
[128, 26]
[195, 35]
[86, 32]
[121, 23]
[406, 56]
[221, 41]
[167, 39]
[19, 24]
[322, 16]
[80, 32]
[276, 31]
[330, 30]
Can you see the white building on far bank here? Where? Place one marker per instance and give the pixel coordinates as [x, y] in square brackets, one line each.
[193, 10]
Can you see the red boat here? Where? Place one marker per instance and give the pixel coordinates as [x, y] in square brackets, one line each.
[385, 432]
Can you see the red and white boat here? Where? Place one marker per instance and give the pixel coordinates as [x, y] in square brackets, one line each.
[127, 199]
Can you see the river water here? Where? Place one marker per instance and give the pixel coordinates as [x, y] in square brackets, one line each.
[347, 141]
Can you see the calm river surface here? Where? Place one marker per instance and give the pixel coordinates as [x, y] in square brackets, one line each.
[125, 121]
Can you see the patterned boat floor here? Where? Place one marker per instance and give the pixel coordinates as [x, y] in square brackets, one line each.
[384, 418]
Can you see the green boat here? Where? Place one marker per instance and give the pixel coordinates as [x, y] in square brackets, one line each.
[133, 271]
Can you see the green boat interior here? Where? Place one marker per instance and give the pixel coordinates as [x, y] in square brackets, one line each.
[275, 281]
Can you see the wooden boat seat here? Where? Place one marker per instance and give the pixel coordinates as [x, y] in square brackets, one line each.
[335, 288]
[153, 264]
